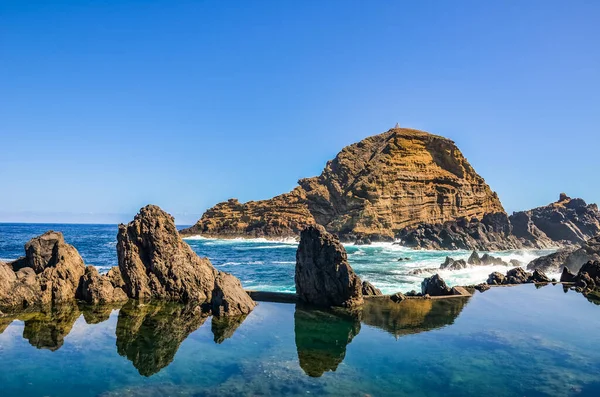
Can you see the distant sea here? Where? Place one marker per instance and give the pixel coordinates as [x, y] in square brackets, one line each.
[268, 265]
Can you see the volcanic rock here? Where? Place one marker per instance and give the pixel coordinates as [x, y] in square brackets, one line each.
[323, 275]
[372, 189]
[369, 289]
[397, 297]
[517, 276]
[435, 286]
[572, 257]
[99, 289]
[156, 263]
[495, 278]
[539, 276]
[567, 276]
[452, 264]
[474, 259]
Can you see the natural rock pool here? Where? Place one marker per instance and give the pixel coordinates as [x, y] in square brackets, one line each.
[508, 341]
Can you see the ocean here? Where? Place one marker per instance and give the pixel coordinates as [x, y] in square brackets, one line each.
[269, 265]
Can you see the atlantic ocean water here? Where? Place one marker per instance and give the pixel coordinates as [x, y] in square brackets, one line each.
[269, 265]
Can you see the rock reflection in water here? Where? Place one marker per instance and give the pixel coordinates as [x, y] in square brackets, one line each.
[150, 334]
[224, 327]
[322, 337]
[45, 327]
[411, 315]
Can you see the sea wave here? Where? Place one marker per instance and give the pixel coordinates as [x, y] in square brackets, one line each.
[238, 240]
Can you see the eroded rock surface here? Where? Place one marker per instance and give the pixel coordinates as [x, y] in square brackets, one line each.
[369, 192]
[101, 289]
[435, 286]
[369, 289]
[156, 263]
[323, 275]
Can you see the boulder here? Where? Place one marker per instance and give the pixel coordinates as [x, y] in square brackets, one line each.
[539, 276]
[474, 259]
[495, 278]
[155, 263]
[567, 276]
[462, 291]
[323, 275]
[397, 297]
[482, 287]
[452, 264]
[515, 263]
[487, 260]
[517, 276]
[435, 286]
[98, 289]
[49, 273]
[369, 289]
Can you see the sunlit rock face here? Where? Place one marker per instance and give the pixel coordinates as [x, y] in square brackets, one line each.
[373, 188]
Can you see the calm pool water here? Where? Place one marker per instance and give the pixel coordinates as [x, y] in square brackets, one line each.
[518, 341]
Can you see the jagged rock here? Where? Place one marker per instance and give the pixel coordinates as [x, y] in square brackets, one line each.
[515, 263]
[397, 297]
[495, 278]
[156, 263]
[403, 259]
[488, 260]
[539, 276]
[565, 222]
[592, 268]
[435, 286]
[517, 276]
[482, 287]
[474, 259]
[451, 264]
[229, 298]
[323, 275]
[372, 189]
[418, 272]
[567, 276]
[98, 289]
[571, 257]
[49, 273]
[460, 291]
[369, 289]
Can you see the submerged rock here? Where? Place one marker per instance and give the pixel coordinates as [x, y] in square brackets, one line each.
[435, 286]
[156, 263]
[323, 275]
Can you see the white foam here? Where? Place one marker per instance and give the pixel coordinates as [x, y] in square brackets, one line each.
[237, 240]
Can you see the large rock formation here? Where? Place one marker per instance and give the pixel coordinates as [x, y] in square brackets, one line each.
[572, 257]
[372, 189]
[565, 222]
[49, 272]
[323, 275]
[156, 263]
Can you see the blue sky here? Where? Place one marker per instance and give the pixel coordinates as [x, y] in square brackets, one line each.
[106, 106]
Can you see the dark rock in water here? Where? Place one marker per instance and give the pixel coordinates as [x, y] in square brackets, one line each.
[412, 293]
[482, 287]
[495, 278]
[403, 259]
[363, 241]
[96, 289]
[451, 264]
[418, 272]
[369, 289]
[397, 297]
[572, 257]
[487, 260]
[567, 276]
[435, 286]
[474, 259]
[460, 291]
[150, 334]
[515, 263]
[517, 276]
[592, 268]
[539, 276]
[49, 273]
[156, 263]
[323, 275]
[322, 337]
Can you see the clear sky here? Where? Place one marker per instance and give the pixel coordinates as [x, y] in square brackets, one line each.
[106, 106]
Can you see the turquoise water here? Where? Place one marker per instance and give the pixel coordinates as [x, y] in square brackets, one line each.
[518, 341]
[268, 265]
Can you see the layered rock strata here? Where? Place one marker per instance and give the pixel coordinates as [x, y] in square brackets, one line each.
[370, 191]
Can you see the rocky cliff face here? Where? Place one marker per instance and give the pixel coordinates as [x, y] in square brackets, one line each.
[373, 188]
[563, 223]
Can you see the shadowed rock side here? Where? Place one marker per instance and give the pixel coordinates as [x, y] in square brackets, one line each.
[156, 263]
[323, 275]
[565, 222]
[411, 316]
[150, 334]
[372, 189]
[322, 337]
[572, 258]
[48, 273]
[45, 327]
